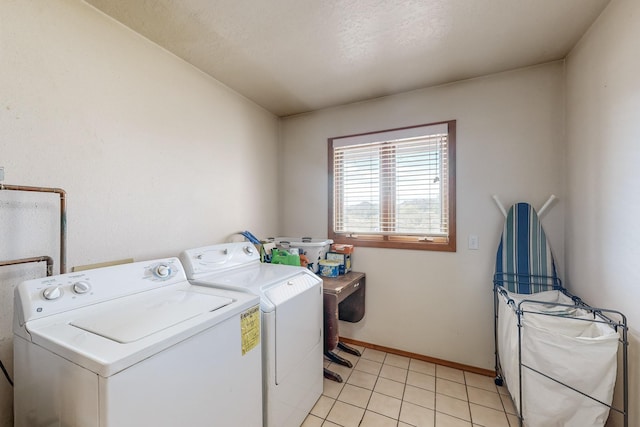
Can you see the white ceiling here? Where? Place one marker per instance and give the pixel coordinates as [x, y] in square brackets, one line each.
[294, 56]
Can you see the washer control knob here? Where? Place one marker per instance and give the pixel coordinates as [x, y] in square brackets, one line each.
[52, 292]
[81, 287]
[162, 271]
[249, 250]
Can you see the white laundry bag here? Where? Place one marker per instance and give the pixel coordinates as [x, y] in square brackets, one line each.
[564, 347]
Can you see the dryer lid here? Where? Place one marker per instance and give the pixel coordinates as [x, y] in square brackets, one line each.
[131, 321]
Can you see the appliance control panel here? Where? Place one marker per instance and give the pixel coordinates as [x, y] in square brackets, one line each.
[217, 258]
[46, 296]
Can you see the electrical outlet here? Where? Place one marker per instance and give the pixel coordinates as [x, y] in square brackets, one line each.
[474, 242]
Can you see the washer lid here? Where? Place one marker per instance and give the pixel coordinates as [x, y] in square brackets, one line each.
[130, 322]
[259, 278]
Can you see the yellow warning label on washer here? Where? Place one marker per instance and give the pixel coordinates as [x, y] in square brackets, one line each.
[250, 329]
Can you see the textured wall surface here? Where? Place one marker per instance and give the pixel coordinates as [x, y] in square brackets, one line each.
[155, 156]
[603, 153]
[509, 142]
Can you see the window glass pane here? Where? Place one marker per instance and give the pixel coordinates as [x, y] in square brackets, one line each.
[393, 187]
[419, 192]
[360, 192]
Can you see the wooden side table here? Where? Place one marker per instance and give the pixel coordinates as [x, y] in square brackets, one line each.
[344, 299]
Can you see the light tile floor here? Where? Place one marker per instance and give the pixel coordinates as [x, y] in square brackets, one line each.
[387, 390]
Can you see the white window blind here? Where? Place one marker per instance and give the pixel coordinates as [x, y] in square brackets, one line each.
[392, 183]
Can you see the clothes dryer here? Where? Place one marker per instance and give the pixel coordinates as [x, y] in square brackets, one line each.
[135, 345]
[292, 323]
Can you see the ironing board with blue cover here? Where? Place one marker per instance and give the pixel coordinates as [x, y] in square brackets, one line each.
[524, 262]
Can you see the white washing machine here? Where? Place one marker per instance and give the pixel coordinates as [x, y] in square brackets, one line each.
[291, 305]
[135, 345]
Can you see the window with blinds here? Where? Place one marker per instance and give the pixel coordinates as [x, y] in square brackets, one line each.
[394, 188]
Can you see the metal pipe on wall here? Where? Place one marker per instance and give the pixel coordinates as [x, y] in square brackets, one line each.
[63, 216]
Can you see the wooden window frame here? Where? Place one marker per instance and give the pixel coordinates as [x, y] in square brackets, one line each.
[395, 241]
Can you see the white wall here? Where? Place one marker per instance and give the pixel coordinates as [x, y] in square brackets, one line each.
[154, 155]
[91, 107]
[509, 142]
[603, 178]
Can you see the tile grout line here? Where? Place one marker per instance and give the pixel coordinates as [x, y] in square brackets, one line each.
[435, 395]
[466, 391]
[404, 389]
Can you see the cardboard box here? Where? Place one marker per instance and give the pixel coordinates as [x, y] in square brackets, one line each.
[343, 259]
[342, 248]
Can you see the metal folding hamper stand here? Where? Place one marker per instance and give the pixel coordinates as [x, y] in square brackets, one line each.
[524, 267]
